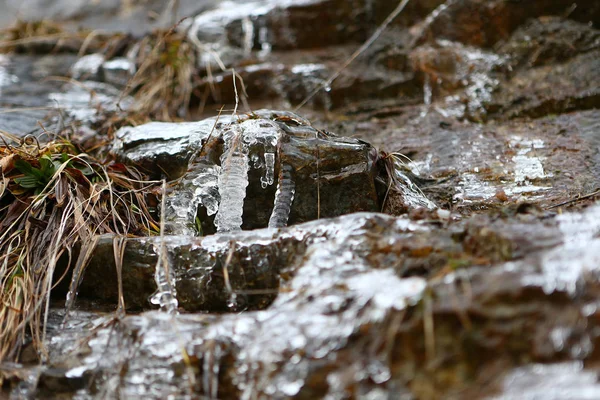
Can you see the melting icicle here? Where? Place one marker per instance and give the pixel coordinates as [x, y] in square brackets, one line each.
[232, 182]
[269, 177]
[327, 104]
[427, 91]
[284, 197]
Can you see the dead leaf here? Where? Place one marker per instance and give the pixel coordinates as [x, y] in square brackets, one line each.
[7, 163]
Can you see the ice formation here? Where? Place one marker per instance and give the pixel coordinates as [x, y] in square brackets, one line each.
[166, 295]
[199, 187]
[284, 198]
[232, 181]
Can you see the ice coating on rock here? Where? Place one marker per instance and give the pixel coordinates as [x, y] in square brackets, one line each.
[566, 380]
[207, 189]
[140, 142]
[284, 198]
[566, 266]
[84, 100]
[411, 194]
[264, 133]
[272, 353]
[87, 66]
[232, 181]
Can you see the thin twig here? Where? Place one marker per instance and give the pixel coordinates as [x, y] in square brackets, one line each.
[226, 266]
[575, 200]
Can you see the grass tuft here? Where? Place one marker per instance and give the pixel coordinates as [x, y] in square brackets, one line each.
[54, 199]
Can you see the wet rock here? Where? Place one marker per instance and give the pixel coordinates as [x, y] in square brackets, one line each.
[110, 15]
[88, 67]
[217, 274]
[268, 24]
[25, 92]
[464, 77]
[266, 158]
[525, 160]
[287, 349]
[116, 71]
[551, 89]
[84, 101]
[323, 333]
[261, 81]
[487, 300]
[549, 40]
[484, 23]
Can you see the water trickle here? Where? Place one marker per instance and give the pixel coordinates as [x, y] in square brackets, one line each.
[284, 197]
[232, 181]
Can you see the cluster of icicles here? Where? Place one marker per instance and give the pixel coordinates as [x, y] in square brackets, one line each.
[222, 189]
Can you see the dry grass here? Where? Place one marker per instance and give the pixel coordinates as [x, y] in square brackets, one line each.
[54, 199]
[43, 37]
[165, 71]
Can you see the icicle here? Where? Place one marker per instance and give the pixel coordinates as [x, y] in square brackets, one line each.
[166, 295]
[427, 91]
[269, 177]
[248, 30]
[263, 39]
[181, 209]
[265, 133]
[284, 197]
[232, 182]
[427, 95]
[200, 186]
